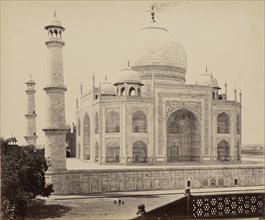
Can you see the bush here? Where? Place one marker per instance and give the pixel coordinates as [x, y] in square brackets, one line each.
[22, 179]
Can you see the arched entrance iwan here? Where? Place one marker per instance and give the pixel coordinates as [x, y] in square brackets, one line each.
[183, 136]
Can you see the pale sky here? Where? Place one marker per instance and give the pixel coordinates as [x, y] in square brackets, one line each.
[227, 36]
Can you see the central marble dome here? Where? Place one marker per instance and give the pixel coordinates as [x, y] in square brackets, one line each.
[157, 52]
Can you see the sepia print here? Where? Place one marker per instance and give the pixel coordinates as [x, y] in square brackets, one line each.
[142, 110]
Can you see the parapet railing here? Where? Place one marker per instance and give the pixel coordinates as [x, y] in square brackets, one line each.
[220, 206]
[225, 206]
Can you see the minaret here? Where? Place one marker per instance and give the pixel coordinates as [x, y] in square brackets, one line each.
[31, 136]
[55, 129]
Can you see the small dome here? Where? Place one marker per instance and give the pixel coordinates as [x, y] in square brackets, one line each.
[215, 83]
[30, 81]
[55, 22]
[129, 76]
[212, 82]
[107, 88]
[68, 127]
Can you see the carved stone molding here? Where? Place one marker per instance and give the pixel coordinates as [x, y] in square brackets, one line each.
[133, 109]
[139, 138]
[136, 108]
[228, 139]
[108, 109]
[172, 106]
[217, 112]
[108, 139]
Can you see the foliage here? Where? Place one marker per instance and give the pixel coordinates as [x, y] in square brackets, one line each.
[22, 178]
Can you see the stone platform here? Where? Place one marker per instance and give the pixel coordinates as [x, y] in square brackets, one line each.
[84, 177]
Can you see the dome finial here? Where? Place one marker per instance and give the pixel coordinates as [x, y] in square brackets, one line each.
[128, 63]
[54, 13]
[153, 13]
[106, 79]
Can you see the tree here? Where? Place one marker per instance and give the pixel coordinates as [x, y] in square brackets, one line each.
[22, 178]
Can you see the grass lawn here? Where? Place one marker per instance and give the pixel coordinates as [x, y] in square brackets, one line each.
[96, 207]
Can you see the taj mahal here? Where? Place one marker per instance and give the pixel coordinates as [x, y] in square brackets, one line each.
[149, 130]
[151, 116]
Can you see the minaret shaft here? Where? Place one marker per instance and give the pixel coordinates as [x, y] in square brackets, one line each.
[30, 115]
[55, 130]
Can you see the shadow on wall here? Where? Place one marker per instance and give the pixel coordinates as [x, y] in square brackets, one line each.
[39, 210]
[173, 210]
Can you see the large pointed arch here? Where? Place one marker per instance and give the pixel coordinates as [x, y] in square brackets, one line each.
[96, 151]
[78, 126]
[86, 137]
[238, 151]
[183, 136]
[238, 127]
[96, 123]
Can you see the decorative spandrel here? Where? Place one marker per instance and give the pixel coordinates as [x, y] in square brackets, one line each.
[172, 106]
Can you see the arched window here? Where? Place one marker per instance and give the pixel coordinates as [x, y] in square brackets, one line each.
[78, 150]
[223, 151]
[96, 122]
[54, 35]
[139, 151]
[113, 151]
[132, 92]
[238, 124]
[173, 128]
[96, 152]
[112, 122]
[78, 127]
[86, 137]
[56, 32]
[238, 151]
[123, 91]
[223, 123]
[139, 122]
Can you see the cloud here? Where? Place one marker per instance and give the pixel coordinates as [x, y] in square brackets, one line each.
[164, 6]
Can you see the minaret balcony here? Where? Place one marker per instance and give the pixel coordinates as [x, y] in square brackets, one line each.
[31, 115]
[54, 41]
[55, 88]
[31, 137]
[55, 130]
[30, 91]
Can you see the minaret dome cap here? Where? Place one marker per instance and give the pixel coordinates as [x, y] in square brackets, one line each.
[30, 81]
[55, 22]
